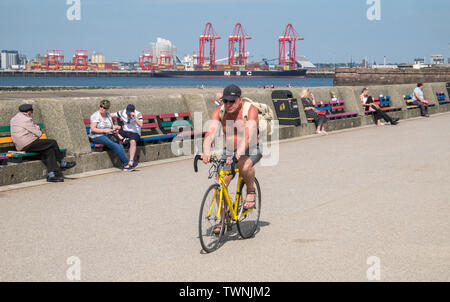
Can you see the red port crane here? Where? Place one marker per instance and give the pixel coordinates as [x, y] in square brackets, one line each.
[208, 36]
[80, 60]
[146, 60]
[53, 59]
[237, 38]
[165, 59]
[290, 36]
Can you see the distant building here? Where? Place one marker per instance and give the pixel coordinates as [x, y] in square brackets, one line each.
[98, 58]
[364, 63]
[419, 61]
[23, 60]
[437, 60]
[9, 58]
[164, 52]
[39, 59]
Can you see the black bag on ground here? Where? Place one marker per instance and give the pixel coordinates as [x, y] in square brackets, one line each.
[286, 107]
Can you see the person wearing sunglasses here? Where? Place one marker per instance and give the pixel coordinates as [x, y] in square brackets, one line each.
[101, 126]
[239, 122]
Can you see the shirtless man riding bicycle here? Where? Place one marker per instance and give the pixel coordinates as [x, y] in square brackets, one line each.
[239, 121]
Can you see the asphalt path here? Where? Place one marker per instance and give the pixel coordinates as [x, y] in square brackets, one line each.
[360, 205]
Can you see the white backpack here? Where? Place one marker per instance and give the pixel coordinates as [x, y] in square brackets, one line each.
[265, 116]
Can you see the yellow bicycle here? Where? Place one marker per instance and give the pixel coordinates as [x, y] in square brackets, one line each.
[218, 211]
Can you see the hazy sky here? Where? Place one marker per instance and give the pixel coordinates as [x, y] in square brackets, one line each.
[334, 31]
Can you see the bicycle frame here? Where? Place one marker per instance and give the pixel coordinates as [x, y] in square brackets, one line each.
[224, 193]
[233, 208]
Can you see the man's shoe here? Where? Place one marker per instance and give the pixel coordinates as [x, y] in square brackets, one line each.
[129, 168]
[57, 178]
[69, 165]
[395, 121]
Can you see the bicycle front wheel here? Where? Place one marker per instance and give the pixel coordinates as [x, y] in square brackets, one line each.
[248, 220]
[211, 223]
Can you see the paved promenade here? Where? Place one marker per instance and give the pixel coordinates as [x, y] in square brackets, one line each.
[330, 205]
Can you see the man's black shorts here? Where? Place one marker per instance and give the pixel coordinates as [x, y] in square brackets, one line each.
[131, 135]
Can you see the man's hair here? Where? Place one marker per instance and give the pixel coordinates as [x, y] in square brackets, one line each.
[419, 84]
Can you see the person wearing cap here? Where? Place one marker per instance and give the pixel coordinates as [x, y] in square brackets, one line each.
[241, 139]
[25, 135]
[132, 122]
[101, 126]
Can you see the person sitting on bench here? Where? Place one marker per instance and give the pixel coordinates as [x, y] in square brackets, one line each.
[309, 104]
[103, 132]
[131, 121]
[25, 135]
[378, 114]
[419, 100]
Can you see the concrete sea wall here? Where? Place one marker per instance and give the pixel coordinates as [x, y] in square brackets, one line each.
[383, 76]
[63, 120]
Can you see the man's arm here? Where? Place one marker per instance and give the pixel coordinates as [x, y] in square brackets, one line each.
[139, 120]
[30, 126]
[213, 126]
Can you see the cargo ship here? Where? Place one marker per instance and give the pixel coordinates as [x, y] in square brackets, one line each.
[297, 73]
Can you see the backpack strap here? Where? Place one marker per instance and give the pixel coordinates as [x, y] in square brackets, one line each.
[245, 111]
[221, 112]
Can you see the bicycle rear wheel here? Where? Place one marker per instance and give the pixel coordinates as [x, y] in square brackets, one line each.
[209, 220]
[248, 220]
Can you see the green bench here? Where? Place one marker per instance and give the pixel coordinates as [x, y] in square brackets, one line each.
[8, 149]
[178, 124]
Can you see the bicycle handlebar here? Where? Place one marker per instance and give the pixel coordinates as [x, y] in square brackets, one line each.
[214, 161]
[196, 158]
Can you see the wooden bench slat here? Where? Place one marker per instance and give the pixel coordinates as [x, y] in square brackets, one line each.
[8, 139]
[338, 107]
[157, 137]
[150, 126]
[8, 128]
[26, 154]
[174, 115]
[177, 123]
